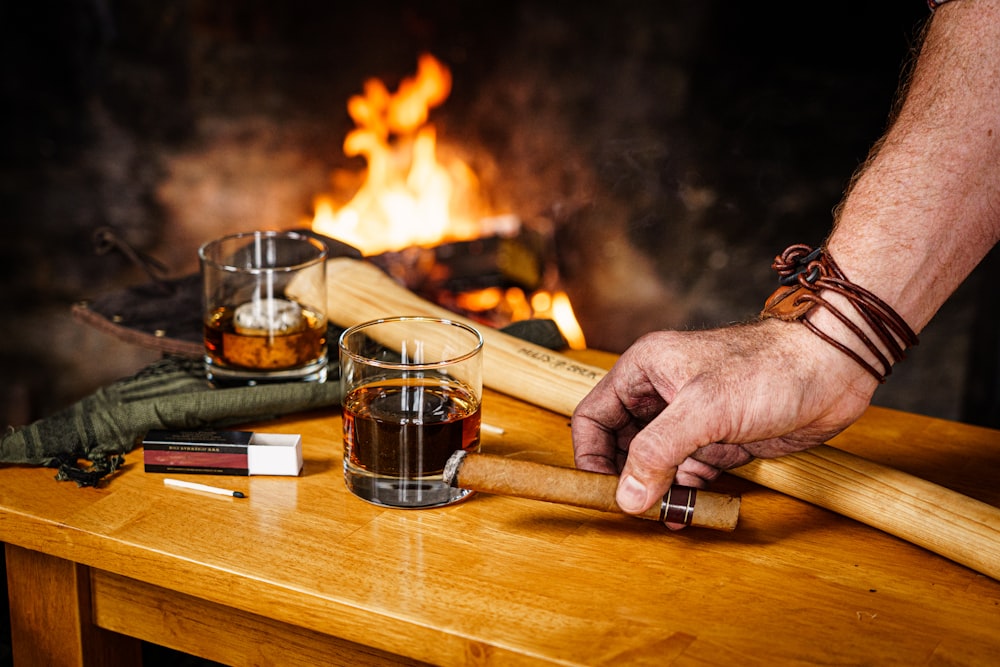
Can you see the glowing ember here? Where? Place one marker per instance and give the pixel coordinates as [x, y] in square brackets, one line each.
[512, 301]
[562, 313]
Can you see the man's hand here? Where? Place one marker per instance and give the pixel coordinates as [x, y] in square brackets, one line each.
[687, 405]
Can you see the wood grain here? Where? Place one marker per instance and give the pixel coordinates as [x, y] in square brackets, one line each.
[947, 522]
[496, 580]
[54, 595]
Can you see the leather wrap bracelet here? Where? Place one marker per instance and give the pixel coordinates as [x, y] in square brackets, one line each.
[803, 272]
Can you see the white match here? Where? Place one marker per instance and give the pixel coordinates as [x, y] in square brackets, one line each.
[169, 481]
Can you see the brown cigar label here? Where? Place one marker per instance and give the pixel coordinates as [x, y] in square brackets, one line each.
[502, 476]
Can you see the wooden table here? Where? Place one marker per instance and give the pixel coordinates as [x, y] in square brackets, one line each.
[302, 572]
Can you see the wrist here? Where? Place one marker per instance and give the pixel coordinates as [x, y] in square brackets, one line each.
[848, 346]
[849, 318]
[829, 365]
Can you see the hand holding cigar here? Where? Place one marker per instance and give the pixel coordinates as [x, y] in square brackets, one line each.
[878, 495]
[580, 488]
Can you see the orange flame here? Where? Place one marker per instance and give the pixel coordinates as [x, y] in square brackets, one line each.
[552, 305]
[408, 197]
[560, 310]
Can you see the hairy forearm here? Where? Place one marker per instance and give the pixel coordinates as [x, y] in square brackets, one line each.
[925, 209]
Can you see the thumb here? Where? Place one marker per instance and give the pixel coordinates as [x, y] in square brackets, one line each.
[658, 449]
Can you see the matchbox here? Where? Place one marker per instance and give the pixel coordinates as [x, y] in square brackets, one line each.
[222, 452]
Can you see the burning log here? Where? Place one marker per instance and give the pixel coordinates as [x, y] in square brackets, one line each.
[489, 279]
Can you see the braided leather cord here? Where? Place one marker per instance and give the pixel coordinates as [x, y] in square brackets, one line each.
[804, 272]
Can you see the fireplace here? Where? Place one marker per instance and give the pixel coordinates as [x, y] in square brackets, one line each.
[662, 152]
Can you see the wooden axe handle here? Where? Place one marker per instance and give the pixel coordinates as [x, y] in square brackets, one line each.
[946, 522]
[950, 524]
[358, 292]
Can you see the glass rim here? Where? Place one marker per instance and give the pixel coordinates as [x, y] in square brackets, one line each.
[317, 244]
[411, 366]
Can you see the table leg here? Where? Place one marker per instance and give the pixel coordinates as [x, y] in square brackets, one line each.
[51, 616]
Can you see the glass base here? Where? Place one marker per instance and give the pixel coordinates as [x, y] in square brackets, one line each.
[222, 376]
[402, 493]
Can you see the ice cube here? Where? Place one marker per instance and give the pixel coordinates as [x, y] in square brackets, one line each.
[268, 317]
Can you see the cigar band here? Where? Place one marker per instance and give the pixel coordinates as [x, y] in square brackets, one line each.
[672, 511]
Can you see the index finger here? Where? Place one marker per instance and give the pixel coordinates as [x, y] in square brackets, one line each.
[690, 422]
[608, 418]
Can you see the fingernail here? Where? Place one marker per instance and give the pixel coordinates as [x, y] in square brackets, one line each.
[631, 494]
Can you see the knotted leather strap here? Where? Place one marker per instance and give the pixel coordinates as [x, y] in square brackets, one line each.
[803, 273]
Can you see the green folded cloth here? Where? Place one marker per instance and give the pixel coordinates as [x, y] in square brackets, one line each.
[169, 394]
[172, 393]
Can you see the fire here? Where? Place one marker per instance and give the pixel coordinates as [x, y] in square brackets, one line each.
[518, 306]
[410, 196]
[561, 311]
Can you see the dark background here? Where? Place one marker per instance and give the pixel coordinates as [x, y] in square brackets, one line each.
[670, 149]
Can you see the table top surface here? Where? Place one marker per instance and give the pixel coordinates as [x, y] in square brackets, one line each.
[497, 580]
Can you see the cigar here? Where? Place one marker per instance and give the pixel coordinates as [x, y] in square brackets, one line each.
[570, 486]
